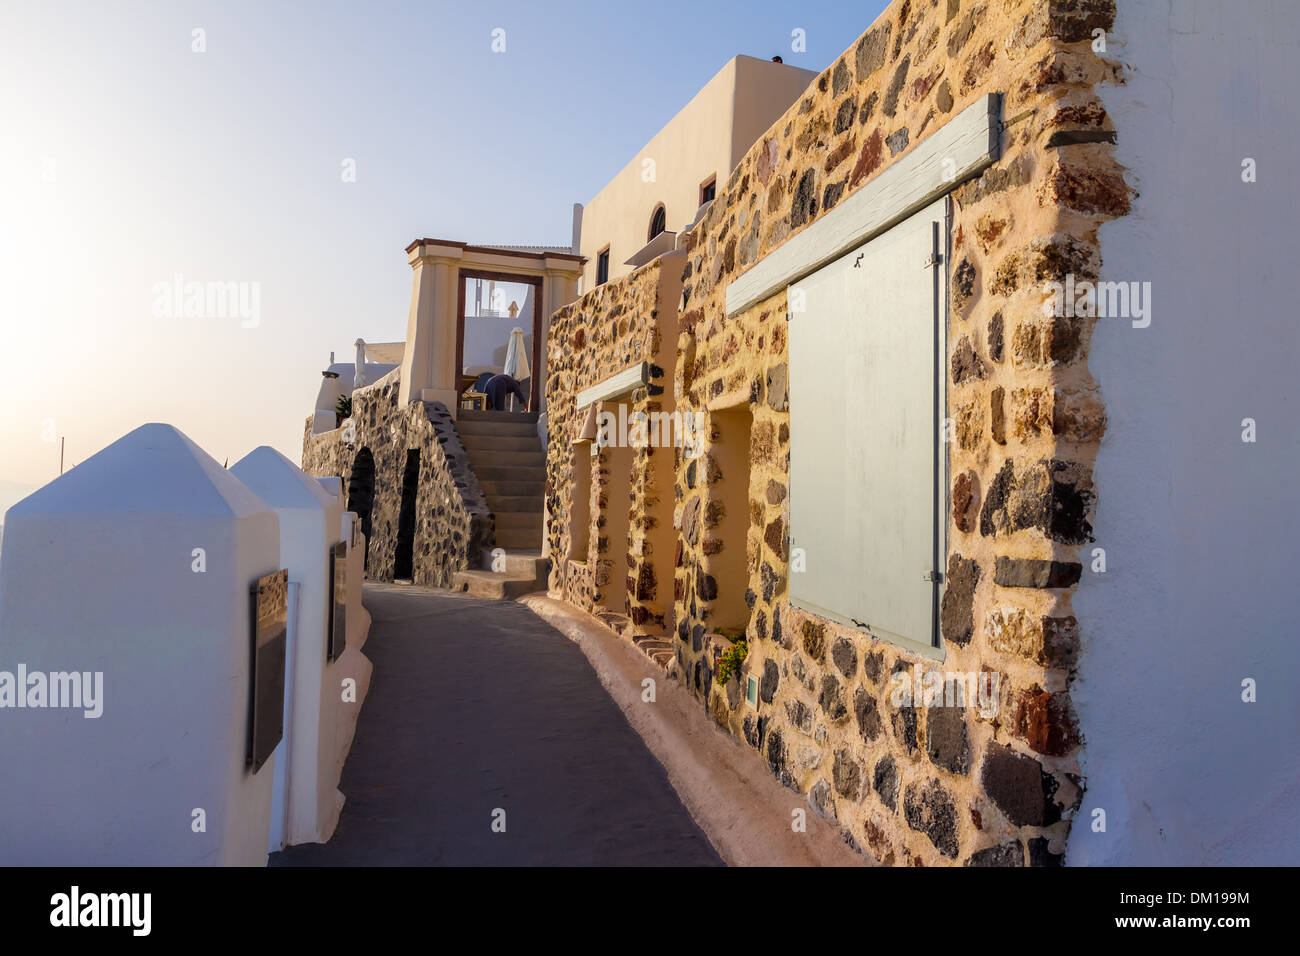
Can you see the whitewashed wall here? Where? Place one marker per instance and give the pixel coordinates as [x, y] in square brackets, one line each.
[1198, 527]
[353, 664]
[487, 339]
[102, 573]
[306, 775]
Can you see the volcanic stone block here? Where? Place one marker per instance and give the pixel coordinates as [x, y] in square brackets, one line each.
[1036, 573]
[946, 740]
[1007, 854]
[931, 810]
[957, 615]
[1019, 787]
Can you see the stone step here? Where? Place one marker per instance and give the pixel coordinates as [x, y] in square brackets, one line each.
[497, 429]
[519, 519]
[512, 489]
[518, 563]
[653, 644]
[506, 455]
[487, 584]
[492, 458]
[612, 619]
[509, 503]
[477, 444]
[519, 538]
[474, 415]
[510, 473]
[658, 647]
[663, 659]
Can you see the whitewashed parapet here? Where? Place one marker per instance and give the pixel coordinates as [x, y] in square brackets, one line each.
[133, 572]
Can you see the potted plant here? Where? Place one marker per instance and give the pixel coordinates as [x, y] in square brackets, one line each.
[728, 662]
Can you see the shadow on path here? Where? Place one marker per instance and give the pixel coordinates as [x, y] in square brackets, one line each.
[476, 705]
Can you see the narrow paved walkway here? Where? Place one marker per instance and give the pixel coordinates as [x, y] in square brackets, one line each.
[479, 705]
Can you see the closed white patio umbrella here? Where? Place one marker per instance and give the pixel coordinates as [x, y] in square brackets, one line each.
[517, 356]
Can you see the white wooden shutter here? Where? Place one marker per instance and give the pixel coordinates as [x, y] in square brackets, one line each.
[865, 425]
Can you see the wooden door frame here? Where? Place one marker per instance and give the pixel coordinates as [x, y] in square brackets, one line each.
[536, 282]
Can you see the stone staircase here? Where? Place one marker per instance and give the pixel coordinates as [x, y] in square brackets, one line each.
[507, 457]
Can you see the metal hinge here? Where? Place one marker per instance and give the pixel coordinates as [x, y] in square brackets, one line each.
[932, 260]
[934, 577]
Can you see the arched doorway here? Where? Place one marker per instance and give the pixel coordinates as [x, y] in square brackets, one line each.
[361, 492]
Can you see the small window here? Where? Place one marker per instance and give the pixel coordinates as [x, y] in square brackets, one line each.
[602, 266]
[658, 222]
[709, 190]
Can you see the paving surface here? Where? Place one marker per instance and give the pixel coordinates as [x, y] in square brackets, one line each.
[478, 705]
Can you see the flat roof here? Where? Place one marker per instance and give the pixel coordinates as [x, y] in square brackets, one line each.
[543, 252]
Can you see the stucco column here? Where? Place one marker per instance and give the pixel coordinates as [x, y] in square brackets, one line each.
[559, 289]
[446, 374]
[428, 362]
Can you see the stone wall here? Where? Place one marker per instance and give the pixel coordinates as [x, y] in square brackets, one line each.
[939, 784]
[616, 325]
[913, 785]
[452, 520]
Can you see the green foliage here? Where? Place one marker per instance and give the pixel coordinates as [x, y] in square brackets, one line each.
[730, 661]
[343, 408]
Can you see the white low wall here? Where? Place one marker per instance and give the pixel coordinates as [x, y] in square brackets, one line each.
[136, 565]
[308, 759]
[352, 665]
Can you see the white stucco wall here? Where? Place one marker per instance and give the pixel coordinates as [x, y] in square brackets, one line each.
[487, 340]
[347, 374]
[99, 575]
[307, 773]
[353, 664]
[1198, 527]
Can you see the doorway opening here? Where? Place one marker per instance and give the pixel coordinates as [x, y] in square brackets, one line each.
[580, 503]
[614, 524]
[403, 560]
[361, 494]
[727, 508]
[498, 332]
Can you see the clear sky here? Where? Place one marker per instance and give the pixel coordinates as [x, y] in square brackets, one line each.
[127, 158]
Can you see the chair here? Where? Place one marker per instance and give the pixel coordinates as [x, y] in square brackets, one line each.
[475, 397]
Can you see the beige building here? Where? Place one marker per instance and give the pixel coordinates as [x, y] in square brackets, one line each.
[658, 194]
